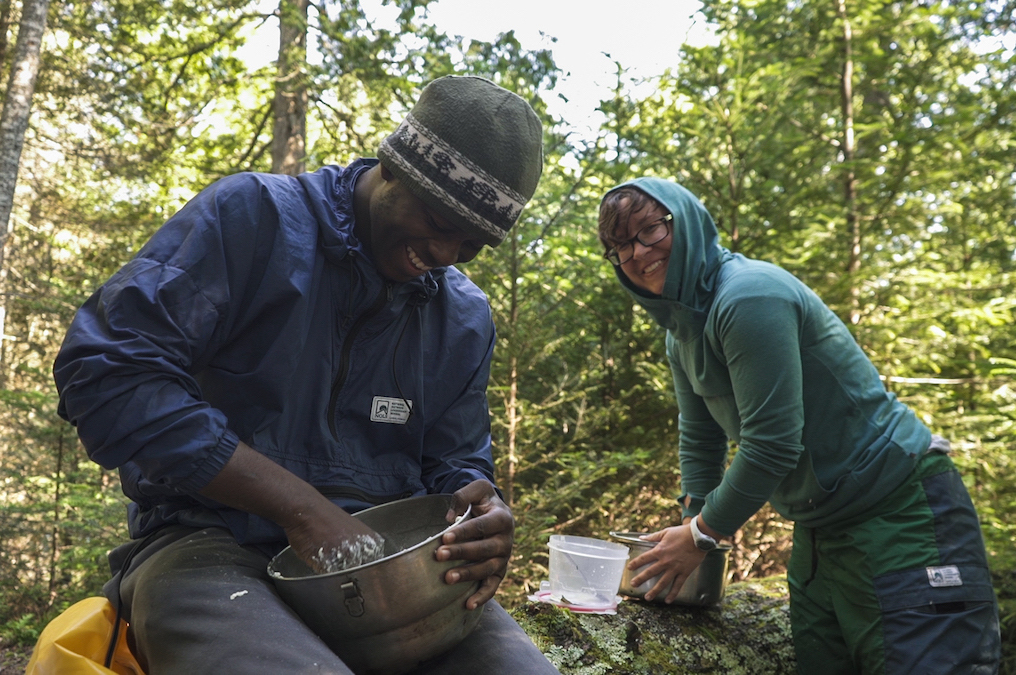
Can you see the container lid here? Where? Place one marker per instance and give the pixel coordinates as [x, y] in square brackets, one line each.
[632, 538]
[588, 546]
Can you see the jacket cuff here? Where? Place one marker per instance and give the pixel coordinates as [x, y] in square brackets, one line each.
[694, 507]
[210, 467]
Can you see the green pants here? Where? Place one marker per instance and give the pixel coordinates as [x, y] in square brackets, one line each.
[905, 589]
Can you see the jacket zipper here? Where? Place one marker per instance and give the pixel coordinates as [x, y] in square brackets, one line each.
[383, 297]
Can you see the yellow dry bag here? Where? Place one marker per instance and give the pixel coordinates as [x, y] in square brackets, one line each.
[76, 642]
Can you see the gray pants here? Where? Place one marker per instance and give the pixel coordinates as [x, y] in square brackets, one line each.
[198, 602]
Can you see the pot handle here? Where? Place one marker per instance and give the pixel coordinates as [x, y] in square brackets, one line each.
[353, 598]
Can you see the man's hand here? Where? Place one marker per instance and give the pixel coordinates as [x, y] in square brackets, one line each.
[675, 557]
[485, 540]
[325, 536]
[315, 527]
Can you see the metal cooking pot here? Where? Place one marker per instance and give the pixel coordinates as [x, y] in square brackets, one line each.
[704, 587]
[384, 617]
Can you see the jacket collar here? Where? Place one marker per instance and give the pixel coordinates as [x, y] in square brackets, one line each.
[330, 190]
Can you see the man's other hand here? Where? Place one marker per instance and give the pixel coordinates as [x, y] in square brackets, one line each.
[484, 541]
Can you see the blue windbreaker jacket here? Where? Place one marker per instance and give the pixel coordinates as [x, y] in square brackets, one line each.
[256, 314]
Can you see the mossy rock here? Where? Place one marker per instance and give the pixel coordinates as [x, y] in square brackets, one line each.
[748, 633]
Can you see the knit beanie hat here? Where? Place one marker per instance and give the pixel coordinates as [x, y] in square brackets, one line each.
[472, 151]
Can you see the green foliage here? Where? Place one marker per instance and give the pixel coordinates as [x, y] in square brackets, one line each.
[23, 630]
[59, 515]
[369, 75]
[143, 102]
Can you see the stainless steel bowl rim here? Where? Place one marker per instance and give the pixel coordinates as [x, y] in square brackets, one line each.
[348, 570]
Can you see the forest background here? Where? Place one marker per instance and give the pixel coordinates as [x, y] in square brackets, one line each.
[867, 146]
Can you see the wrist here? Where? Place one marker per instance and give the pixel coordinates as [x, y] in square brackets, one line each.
[703, 542]
[298, 512]
[255, 484]
[704, 528]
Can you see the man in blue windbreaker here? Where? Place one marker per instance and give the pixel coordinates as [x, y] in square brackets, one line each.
[288, 350]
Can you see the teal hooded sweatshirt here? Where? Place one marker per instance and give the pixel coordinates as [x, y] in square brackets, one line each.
[759, 359]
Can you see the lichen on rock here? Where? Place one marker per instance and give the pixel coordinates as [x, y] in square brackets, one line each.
[748, 633]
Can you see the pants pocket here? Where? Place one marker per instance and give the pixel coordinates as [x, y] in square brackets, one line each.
[939, 620]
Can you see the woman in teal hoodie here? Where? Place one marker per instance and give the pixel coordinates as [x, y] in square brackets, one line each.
[889, 572]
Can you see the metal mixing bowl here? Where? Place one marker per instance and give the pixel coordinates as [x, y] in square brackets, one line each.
[384, 617]
[704, 587]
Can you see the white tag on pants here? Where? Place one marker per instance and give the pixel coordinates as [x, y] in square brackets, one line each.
[944, 576]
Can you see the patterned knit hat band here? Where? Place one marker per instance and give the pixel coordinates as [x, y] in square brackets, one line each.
[452, 178]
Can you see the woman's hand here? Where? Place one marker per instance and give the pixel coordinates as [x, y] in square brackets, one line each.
[675, 557]
[485, 540]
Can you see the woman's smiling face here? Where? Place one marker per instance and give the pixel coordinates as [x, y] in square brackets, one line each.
[647, 266]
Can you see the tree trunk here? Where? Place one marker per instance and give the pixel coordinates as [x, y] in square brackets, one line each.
[512, 408]
[289, 139]
[5, 25]
[735, 181]
[13, 123]
[55, 551]
[849, 152]
[749, 632]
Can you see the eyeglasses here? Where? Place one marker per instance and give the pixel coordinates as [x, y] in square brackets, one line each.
[653, 233]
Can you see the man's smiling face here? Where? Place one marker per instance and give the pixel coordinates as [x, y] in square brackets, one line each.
[407, 238]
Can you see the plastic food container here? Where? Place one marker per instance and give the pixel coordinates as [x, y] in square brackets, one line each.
[586, 571]
[703, 588]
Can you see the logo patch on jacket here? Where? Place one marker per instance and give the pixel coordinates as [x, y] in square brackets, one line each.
[390, 410]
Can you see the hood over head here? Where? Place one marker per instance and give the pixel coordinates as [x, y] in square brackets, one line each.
[695, 258]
